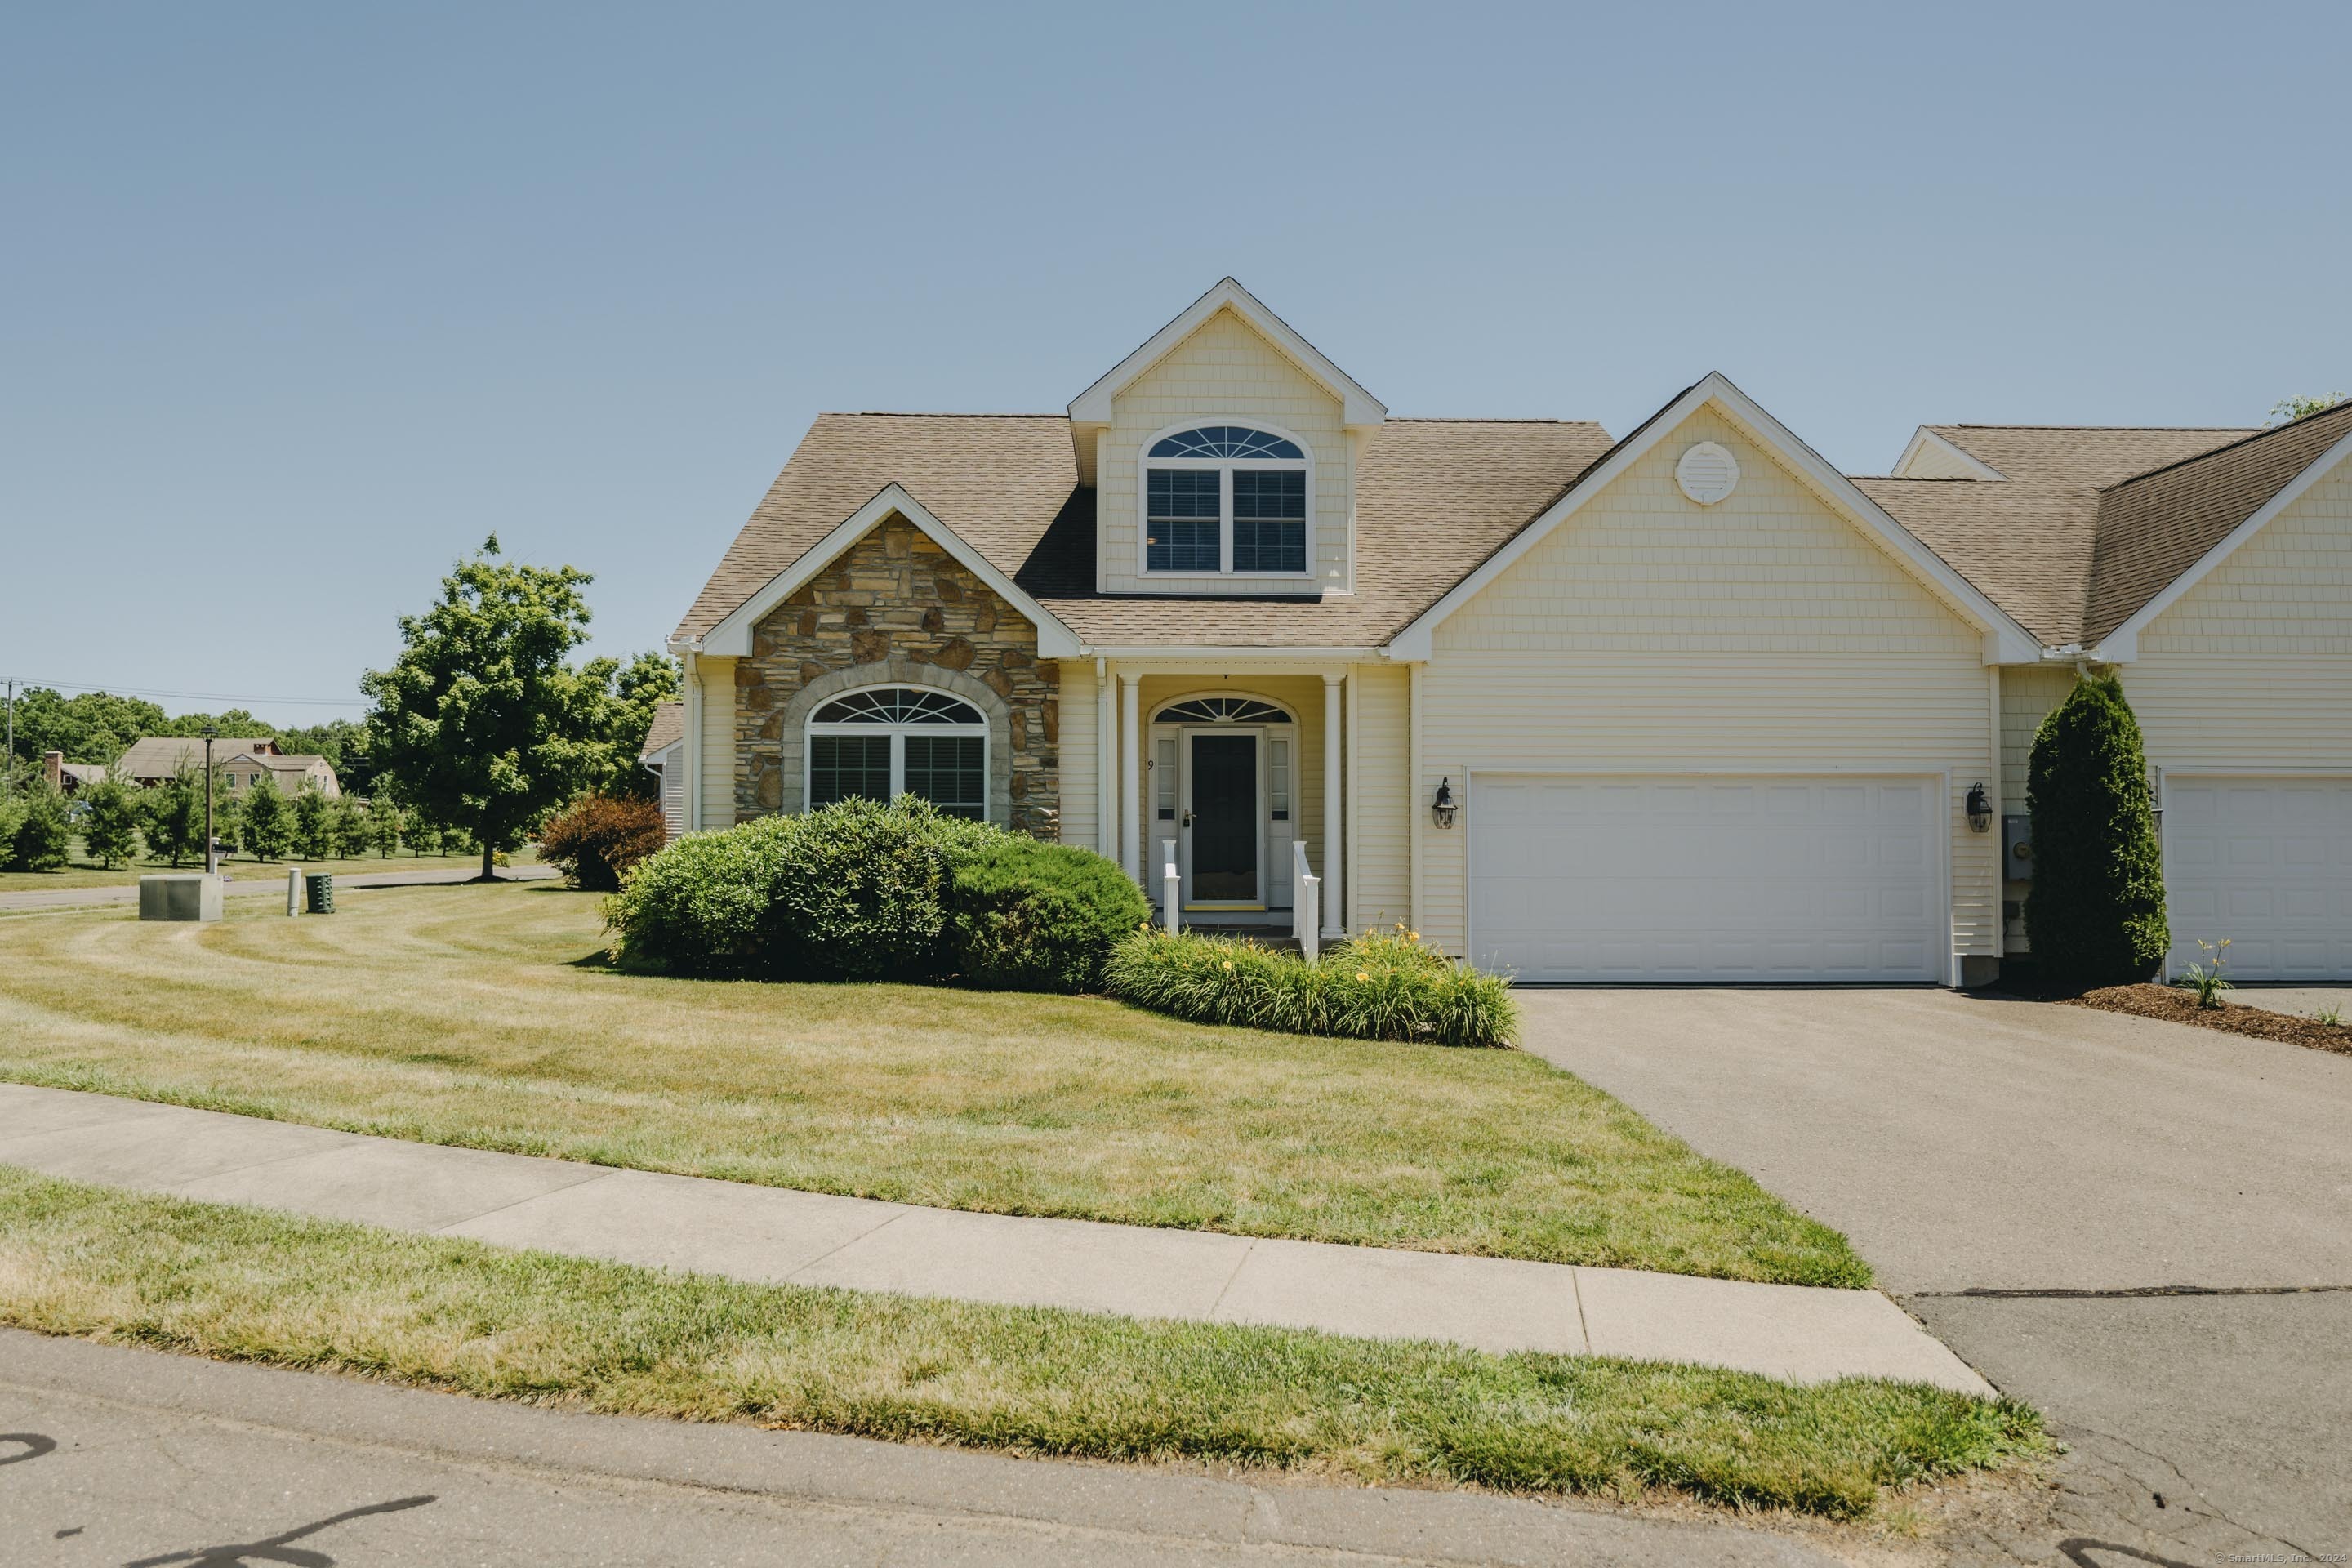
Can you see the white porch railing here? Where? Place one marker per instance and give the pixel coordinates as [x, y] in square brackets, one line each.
[1171, 886]
[1305, 902]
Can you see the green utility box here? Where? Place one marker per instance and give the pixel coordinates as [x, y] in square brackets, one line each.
[318, 889]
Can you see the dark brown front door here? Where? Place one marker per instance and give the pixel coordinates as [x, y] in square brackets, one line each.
[1225, 819]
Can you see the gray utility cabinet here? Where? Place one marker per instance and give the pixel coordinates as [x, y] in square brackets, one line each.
[180, 895]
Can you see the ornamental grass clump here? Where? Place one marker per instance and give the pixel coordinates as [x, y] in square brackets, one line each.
[1379, 986]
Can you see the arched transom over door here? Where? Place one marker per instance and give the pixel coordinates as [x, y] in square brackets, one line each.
[888, 740]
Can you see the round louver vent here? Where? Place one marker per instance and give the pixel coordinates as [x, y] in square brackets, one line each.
[1708, 473]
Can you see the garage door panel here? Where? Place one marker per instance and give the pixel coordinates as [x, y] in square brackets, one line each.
[1730, 879]
[2266, 863]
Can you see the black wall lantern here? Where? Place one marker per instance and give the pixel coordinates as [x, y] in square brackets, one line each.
[1979, 809]
[1442, 808]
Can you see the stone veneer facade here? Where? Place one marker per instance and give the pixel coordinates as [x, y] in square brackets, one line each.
[898, 609]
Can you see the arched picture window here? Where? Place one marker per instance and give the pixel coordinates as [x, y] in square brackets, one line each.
[1225, 499]
[899, 739]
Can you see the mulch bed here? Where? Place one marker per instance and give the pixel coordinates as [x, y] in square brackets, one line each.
[2176, 1006]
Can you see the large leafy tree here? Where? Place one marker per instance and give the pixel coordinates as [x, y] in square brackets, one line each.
[482, 722]
[2095, 913]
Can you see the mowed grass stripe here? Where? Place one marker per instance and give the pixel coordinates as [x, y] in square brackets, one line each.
[480, 1016]
[439, 1312]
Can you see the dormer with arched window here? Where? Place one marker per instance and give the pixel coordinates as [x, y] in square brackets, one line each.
[1224, 454]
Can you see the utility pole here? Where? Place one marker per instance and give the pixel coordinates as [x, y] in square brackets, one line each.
[211, 850]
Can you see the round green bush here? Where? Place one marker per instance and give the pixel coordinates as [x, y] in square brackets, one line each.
[703, 905]
[1026, 916]
[856, 890]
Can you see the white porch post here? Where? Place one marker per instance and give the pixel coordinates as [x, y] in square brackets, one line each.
[1130, 775]
[1334, 920]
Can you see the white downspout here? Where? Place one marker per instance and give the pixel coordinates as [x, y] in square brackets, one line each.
[693, 672]
[1106, 753]
[1999, 834]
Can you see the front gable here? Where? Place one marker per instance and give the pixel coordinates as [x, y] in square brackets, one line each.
[1771, 568]
[1795, 482]
[896, 608]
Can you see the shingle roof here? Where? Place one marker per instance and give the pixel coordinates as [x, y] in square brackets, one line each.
[667, 729]
[2154, 527]
[1433, 498]
[2029, 540]
[2087, 525]
[160, 757]
[997, 479]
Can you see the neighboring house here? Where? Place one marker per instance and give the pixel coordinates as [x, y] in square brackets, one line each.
[1704, 708]
[70, 778]
[664, 755]
[240, 762]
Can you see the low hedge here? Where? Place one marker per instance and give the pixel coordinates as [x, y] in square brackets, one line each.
[1025, 915]
[1379, 987]
[856, 890]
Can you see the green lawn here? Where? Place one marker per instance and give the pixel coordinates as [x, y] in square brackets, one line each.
[483, 1016]
[80, 871]
[247, 1285]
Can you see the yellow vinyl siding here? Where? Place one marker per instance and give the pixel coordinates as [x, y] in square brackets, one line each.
[1224, 369]
[1765, 632]
[718, 759]
[1378, 881]
[1076, 751]
[2028, 693]
[2253, 666]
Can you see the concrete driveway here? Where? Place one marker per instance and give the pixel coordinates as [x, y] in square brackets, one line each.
[2144, 1229]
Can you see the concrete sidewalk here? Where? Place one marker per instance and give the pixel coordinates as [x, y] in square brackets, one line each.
[246, 886]
[775, 1236]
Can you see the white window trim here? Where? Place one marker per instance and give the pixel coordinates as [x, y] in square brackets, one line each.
[897, 734]
[1145, 463]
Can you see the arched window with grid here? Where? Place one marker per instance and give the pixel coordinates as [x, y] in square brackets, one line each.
[889, 740]
[1225, 499]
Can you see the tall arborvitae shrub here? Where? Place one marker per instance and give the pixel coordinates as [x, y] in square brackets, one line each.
[2095, 913]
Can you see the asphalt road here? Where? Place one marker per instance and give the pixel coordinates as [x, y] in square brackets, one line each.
[121, 1457]
[2139, 1227]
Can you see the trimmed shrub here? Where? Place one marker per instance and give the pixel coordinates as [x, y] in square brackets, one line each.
[1377, 987]
[701, 906]
[2095, 913]
[852, 891]
[600, 839]
[1026, 916]
[42, 833]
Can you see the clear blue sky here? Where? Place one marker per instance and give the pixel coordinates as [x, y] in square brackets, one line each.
[298, 303]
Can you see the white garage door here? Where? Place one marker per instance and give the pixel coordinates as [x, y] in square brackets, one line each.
[1714, 879]
[2266, 863]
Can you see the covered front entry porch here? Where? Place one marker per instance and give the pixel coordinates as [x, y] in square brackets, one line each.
[1238, 780]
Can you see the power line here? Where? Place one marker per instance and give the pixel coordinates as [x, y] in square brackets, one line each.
[193, 696]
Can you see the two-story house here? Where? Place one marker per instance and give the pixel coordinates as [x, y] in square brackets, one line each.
[1690, 705]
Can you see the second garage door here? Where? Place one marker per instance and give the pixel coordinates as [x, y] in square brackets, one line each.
[1714, 878]
[2266, 863]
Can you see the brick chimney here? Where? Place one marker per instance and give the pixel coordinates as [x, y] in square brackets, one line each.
[54, 765]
